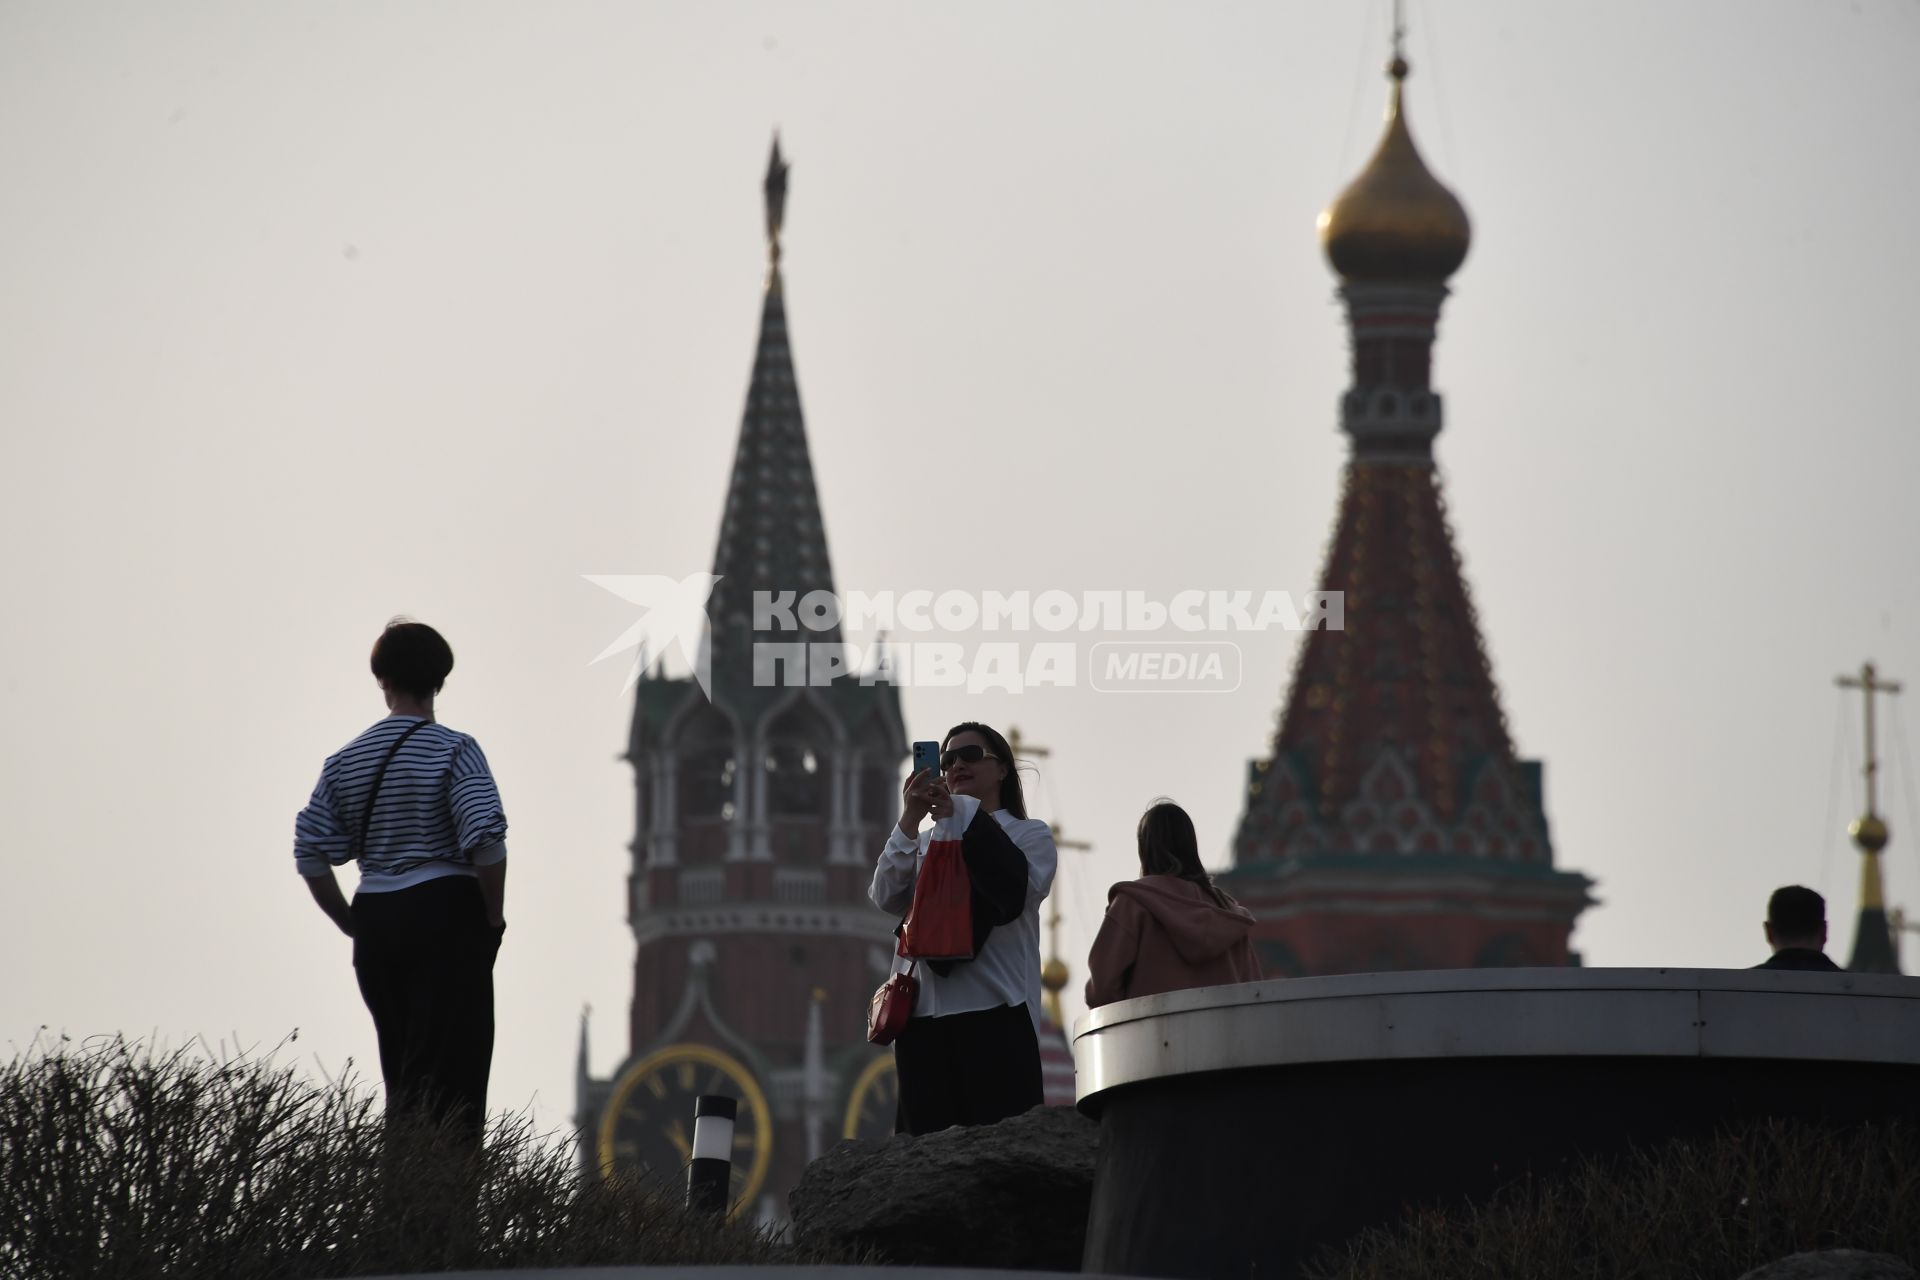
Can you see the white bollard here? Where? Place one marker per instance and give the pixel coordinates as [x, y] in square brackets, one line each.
[710, 1172]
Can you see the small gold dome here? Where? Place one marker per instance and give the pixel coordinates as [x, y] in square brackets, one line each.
[1869, 833]
[1053, 974]
[1395, 222]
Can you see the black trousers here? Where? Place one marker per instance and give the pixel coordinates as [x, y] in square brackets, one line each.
[424, 958]
[967, 1068]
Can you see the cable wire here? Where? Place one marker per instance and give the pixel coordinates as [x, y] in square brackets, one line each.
[1343, 166]
[1840, 757]
[1451, 160]
[1906, 771]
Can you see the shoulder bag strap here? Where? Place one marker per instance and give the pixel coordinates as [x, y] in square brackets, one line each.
[366, 815]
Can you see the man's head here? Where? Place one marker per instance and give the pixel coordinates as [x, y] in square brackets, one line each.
[1796, 918]
[411, 658]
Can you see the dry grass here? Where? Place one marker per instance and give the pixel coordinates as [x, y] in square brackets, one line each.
[121, 1162]
[1706, 1210]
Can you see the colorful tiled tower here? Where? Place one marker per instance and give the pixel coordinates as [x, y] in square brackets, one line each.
[1393, 827]
[758, 811]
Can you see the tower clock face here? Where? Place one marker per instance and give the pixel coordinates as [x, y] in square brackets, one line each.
[647, 1127]
[873, 1101]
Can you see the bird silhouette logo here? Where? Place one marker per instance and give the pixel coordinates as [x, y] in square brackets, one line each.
[673, 616]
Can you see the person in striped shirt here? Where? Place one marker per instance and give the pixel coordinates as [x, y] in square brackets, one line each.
[414, 804]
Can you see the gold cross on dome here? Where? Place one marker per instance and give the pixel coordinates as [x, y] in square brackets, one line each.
[1869, 683]
[1015, 744]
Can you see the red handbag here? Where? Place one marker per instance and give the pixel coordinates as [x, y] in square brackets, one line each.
[891, 1006]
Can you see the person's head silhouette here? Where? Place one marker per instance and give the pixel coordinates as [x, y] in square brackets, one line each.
[1796, 921]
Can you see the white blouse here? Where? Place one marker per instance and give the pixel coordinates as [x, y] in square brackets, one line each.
[1007, 970]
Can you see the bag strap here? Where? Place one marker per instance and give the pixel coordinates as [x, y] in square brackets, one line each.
[900, 942]
[366, 815]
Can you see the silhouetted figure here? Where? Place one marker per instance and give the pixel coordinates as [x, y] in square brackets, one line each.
[1173, 928]
[1797, 930]
[414, 804]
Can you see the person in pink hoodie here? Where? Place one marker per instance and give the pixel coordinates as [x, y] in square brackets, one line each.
[1173, 927]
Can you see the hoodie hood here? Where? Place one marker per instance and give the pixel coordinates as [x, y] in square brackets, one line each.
[1199, 928]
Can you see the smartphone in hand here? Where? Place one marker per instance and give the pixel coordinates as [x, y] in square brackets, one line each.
[926, 756]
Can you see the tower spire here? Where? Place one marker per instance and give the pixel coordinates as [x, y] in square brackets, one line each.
[772, 537]
[775, 189]
[1872, 938]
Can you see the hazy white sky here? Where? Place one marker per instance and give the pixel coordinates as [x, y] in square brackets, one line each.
[320, 313]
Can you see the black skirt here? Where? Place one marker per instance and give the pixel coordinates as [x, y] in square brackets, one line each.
[967, 1068]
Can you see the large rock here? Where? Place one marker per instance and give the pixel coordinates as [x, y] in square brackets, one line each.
[1011, 1195]
[1834, 1264]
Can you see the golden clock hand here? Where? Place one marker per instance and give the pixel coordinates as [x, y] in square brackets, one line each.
[677, 1135]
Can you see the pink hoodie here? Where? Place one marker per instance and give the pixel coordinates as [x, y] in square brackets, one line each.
[1163, 933]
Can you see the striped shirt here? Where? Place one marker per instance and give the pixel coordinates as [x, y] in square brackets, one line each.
[437, 814]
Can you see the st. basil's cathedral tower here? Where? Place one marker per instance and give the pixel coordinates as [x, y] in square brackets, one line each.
[1394, 827]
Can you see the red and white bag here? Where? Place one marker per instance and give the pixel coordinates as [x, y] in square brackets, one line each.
[939, 924]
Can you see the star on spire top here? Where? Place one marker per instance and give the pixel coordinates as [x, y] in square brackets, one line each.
[776, 191]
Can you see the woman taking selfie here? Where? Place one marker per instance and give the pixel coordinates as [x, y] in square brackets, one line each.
[1172, 928]
[970, 1054]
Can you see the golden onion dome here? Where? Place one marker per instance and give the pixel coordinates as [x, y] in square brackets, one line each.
[1868, 832]
[1395, 222]
[1053, 974]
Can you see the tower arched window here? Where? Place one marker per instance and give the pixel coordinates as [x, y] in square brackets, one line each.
[795, 780]
[798, 767]
[705, 766]
[799, 779]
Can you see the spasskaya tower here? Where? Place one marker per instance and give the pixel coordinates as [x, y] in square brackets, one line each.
[758, 812]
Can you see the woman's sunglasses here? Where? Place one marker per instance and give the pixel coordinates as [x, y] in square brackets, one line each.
[964, 755]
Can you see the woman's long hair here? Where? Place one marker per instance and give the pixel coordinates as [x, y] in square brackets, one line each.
[1169, 847]
[1012, 798]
